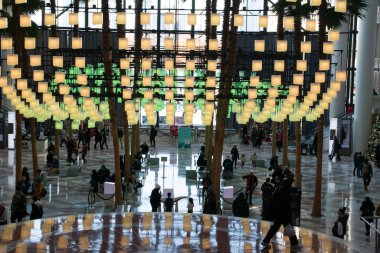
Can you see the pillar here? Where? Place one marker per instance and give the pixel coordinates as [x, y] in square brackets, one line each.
[364, 79]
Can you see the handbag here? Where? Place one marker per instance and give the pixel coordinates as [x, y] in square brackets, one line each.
[289, 230]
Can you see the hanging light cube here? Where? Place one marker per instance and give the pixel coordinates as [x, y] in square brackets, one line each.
[254, 81]
[60, 77]
[53, 43]
[12, 59]
[238, 20]
[215, 19]
[272, 92]
[64, 89]
[259, 45]
[146, 64]
[336, 86]
[16, 73]
[21, 1]
[121, 18]
[145, 43]
[191, 19]
[252, 94]
[279, 65]
[168, 43]
[29, 43]
[257, 65]
[85, 91]
[6, 43]
[282, 45]
[189, 82]
[82, 79]
[210, 95]
[148, 94]
[58, 61]
[310, 25]
[189, 95]
[125, 81]
[210, 82]
[320, 77]
[49, 19]
[76, 42]
[80, 62]
[73, 18]
[333, 35]
[22, 84]
[213, 44]
[123, 43]
[169, 18]
[146, 81]
[97, 18]
[124, 63]
[127, 94]
[328, 47]
[306, 47]
[341, 6]
[288, 23]
[341, 76]
[169, 95]
[190, 44]
[275, 80]
[42, 87]
[25, 21]
[169, 81]
[3, 23]
[38, 75]
[144, 18]
[169, 64]
[324, 65]
[263, 21]
[211, 65]
[301, 65]
[298, 79]
[190, 65]
[315, 2]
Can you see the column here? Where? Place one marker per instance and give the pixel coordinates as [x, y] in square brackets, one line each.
[364, 79]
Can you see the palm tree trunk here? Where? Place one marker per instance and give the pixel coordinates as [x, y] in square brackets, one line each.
[33, 140]
[107, 58]
[298, 154]
[285, 134]
[316, 211]
[274, 138]
[229, 41]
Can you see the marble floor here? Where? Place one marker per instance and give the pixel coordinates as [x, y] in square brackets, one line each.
[69, 195]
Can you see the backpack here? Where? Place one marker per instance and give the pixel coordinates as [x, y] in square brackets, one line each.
[169, 204]
[365, 169]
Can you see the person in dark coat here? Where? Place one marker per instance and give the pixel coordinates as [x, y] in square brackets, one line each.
[206, 182]
[335, 149]
[88, 137]
[201, 161]
[340, 225]
[210, 202]
[103, 141]
[155, 198]
[367, 208]
[234, 155]
[37, 210]
[98, 137]
[228, 166]
[360, 160]
[250, 185]
[144, 148]
[354, 173]
[152, 136]
[367, 174]
[18, 206]
[169, 203]
[81, 137]
[267, 191]
[282, 214]
[240, 207]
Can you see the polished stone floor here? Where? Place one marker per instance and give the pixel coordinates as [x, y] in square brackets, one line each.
[69, 195]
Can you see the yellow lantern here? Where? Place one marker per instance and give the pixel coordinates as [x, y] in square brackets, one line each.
[279, 65]
[169, 81]
[210, 95]
[80, 62]
[315, 88]
[97, 18]
[16, 73]
[148, 94]
[64, 89]
[272, 92]
[169, 64]
[58, 61]
[263, 21]
[190, 44]
[121, 18]
[42, 87]
[144, 18]
[3, 81]
[124, 63]
[12, 59]
[189, 95]
[29, 43]
[169, 18]
[60, 77]
[293, 91]
[85, 91]
[146, 64]
[49, 19]
[341, 76]
[341, 6]
[306, 47]
[3, 23]
[125, 81]
[324, 65]
[22, 84]
[38, 75]
[211, 82]
[328, 47]
[252, 94]
[168, 43]
[76, 43]
[53, 43]
[25, 21]
[190, 65]
[215, 19]
[298, 79]
[301, 65]
[213, 45]
[169, 95]
[310, 25]
[259, 45]
[123, 43]
[21, 1]
[82, 79]
[288, 23]
[211, 65]
[257, 65]
[6, 43]
[146, 81]
[238, 20]
[35, 60]
[73, 18]
[189, 82]
[254, 81]
[145, 43]
[191, 19]
[127, 94]
[336, 85]
[333, 35]
[276, 80]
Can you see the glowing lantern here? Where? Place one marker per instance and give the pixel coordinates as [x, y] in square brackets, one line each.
[58, 61]
[29, 43]
[191, 19]
[53, 43]
[168, 43]
[123, 43]
[263, 21]
[169, 18]
[76, 43]
[49, 19]
[121, 18]
[144, 18]
[259, 45]
[215, 19]
[97, 18]
[73, 18]
[25, 21]
[257, 65]
[35, 60]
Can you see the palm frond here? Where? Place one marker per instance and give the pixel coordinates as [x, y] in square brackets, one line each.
[332, 19]
[356, 7]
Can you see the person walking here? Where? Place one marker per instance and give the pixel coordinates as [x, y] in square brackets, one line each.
[84, 152]
[242, 159]
[18, 206]
[250, 186]
[81, 137]
[98, 137]
[155, 198]
[88, 137]
[190, 205]
[240, 206]
[234, 155]
[37, 210]
[228, 167]
[367, 174]
[253, 160]
[266, 195]
[169, 203]
[340, 226]
[152, 136]
[206, 182]
[103, 141]
[210, 202]
[367, 208]
[354, 173]
[360, 162]
[120, 135]
[335, 150]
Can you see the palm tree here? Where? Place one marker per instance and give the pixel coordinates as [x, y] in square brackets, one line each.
[229, 41]
[107, 58]
[331, 19]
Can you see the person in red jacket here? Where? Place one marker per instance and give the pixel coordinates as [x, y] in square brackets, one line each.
[251, 183]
